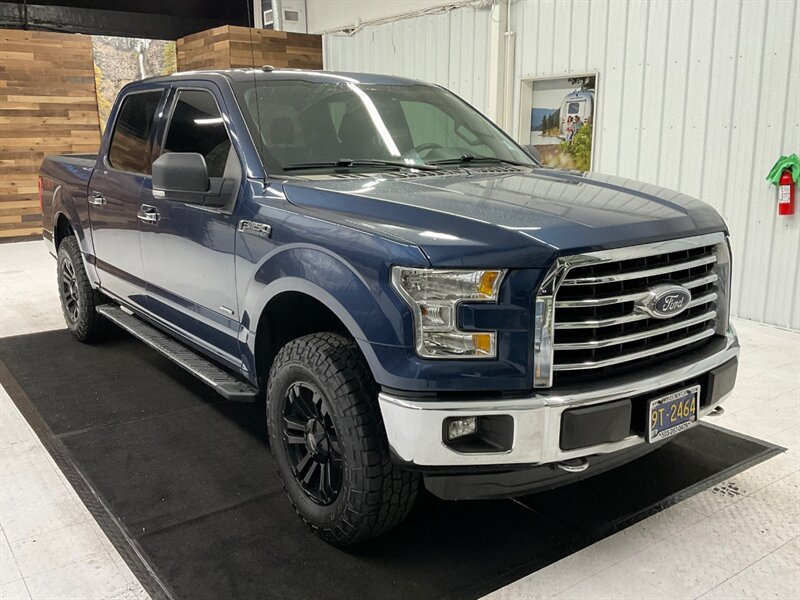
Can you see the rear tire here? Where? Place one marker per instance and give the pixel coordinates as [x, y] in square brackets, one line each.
[78, 298]
[329, 443]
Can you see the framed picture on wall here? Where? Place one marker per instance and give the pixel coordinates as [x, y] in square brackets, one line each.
[120, 60]
[557, 119]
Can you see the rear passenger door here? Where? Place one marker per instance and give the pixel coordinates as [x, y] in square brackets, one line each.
[188, 252]
[115, 195]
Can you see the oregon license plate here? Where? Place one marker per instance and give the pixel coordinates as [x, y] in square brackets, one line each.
[672, 414]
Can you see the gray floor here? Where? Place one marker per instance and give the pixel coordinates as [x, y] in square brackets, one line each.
[740, 539]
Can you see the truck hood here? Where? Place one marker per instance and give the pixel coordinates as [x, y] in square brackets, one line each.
[505, 217]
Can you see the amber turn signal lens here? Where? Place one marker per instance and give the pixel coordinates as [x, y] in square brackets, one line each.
[482, 342]
[488, 280]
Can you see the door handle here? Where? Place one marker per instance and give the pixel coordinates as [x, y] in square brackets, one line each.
[97, 199]
[148, 214]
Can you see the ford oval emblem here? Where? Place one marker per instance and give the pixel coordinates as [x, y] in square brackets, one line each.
[665, 301]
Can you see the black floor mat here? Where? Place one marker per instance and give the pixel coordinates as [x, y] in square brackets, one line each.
[182, 483]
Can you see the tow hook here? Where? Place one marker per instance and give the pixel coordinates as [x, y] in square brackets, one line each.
[574, 465]
[717, 412]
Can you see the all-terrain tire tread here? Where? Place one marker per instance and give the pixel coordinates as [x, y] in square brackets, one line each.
[91, 326]
[382, 494]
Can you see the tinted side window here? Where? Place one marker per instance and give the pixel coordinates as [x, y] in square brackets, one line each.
[128, 150]
[196, 126]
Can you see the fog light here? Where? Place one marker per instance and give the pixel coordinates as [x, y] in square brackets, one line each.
[461, 427]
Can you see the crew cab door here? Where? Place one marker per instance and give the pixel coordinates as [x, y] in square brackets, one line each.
[187, 243]
[115, 195]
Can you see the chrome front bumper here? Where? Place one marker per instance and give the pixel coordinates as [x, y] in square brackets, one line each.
[414, 428]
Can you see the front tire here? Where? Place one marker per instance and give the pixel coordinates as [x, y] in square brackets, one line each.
[78, 298]
[329, 443]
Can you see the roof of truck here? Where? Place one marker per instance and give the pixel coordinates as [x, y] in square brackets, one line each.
[264, 74]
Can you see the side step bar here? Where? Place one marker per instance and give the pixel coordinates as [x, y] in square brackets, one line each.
[222, 382]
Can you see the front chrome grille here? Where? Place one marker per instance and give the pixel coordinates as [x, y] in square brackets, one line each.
[590, 319]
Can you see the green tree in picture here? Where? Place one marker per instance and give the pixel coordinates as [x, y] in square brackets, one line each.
[169, 65]
[551, 121]
[103, 101]
[581, 148]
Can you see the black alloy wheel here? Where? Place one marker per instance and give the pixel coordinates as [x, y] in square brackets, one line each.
[312, 444]
[79, 300]
[329, 442]
[69, 289]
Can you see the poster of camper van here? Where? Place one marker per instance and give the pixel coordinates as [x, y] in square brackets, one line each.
[562, 117]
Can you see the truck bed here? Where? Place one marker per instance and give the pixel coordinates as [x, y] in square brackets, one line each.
[69, 175]
[76, 160]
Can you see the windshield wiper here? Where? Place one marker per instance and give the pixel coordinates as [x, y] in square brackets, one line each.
[468, 158]
[349, 162]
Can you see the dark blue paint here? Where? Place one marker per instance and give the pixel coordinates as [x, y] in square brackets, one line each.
[337, 239]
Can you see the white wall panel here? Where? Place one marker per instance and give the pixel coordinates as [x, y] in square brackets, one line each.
[700, 96]
[333, 15]
[450, 49]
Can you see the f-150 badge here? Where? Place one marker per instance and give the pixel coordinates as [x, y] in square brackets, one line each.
[259, 229]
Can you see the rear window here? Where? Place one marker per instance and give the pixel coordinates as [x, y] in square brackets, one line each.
[128, 150]
[197, 126]
[573, 108]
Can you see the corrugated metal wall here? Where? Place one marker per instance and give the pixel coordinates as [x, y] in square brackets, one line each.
[450, 49]
[700, 96]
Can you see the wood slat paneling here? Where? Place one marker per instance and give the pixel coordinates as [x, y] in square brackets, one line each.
[231, 47]
[47, 106]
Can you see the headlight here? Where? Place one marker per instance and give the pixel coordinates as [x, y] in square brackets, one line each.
[433, 295]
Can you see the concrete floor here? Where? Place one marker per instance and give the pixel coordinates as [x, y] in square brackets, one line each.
[740, 539]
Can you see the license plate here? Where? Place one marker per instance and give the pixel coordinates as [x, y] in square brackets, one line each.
[672, 414]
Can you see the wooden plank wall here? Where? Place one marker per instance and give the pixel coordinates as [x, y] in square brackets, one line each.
[280, 49]
[210, 49]
[47, 106]
[230, 47]
[48, 103]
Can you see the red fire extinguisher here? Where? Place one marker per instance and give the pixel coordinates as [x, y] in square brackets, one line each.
[786, 193]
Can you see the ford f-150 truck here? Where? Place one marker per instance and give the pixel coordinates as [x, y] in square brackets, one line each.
[415, 298]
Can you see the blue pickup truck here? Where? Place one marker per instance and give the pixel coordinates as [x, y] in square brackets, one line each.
[414, 297]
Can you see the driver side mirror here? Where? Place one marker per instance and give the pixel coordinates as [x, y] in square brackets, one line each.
[181, 172]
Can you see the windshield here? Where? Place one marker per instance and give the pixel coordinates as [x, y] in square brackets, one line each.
[300, 124]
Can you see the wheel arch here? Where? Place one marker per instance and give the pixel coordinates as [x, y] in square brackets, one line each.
[61, 229]
[350, 295]
[295, 311]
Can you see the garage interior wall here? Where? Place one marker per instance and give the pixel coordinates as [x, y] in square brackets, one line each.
[230, 47]
[47, 106]
[449, 48]
[326, 15]
[48, 101]
[699, 96]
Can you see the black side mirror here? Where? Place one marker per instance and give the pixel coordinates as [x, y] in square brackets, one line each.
[180, 172]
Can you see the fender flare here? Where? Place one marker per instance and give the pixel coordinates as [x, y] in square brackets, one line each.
[68, 209]
[369, 317]
[302, 286]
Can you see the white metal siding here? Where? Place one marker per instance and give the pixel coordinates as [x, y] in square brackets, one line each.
[700, 96]
[450, 49]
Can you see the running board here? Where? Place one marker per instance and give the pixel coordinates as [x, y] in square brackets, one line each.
[222, 382]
